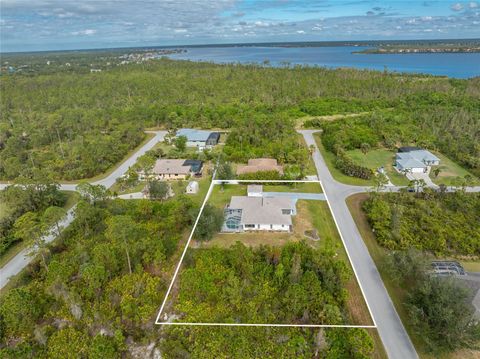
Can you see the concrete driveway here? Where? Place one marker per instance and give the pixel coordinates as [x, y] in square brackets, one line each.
[296, 196]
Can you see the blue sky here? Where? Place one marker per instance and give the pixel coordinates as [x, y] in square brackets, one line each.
[31, 25]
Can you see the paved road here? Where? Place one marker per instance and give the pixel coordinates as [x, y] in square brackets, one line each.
[120, 170]
[22, 259]
[394, 336]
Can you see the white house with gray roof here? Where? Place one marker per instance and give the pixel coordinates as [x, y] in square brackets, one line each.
[415, 160]
[254, 213]
[199, 138]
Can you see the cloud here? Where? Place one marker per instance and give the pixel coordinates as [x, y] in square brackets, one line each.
[86, 32]
[104, 23]
[456, 7]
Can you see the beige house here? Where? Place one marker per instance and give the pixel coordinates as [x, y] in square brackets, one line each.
[173, 169]
[260, 165]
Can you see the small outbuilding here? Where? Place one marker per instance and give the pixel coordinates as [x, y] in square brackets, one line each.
[254, 190]
[192, 187]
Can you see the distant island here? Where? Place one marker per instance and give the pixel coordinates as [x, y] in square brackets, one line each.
[424, 48]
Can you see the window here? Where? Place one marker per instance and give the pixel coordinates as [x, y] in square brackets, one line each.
[286, 211]
[249, 226]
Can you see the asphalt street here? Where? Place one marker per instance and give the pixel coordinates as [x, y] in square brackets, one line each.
[392, 332]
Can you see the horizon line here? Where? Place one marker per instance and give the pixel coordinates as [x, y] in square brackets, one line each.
[233, 44]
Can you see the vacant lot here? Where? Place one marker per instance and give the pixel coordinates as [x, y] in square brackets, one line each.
[449, 172]
[377, 158]
[312, 216]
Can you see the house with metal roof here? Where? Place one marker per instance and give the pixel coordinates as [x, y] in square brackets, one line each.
[199, 138]
[415, 160]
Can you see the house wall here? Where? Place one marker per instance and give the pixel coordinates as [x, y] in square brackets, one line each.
[196, 143]
[268, 227]
[417, 170]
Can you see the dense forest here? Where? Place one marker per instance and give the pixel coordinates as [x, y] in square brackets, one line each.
[439, 308]
[450, 124]
[98, 292]
[241, 342]
[442, 223]
[36, 204]
[58, 120]
[292, 284]
[101, 284]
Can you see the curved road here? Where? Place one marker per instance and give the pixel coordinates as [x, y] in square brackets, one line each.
[120, 170]
[22, 259]
[391, 330]
[394, 336]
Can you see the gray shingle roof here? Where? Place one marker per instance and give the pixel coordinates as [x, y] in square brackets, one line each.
[263, 210]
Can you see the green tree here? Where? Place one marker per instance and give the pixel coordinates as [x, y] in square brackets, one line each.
[93, 193]
[158, 189]
[441, 315]
[52, 216]
[365, 147]
[181, 143]
[122, 229]
[209, 224]
[29, 228]
[380, 181]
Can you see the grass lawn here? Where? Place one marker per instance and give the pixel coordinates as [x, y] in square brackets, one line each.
[72, 198]
[220, 196]
[336, 173]
[396, 293]
[377, 158]
[312, 187]
[449, 171]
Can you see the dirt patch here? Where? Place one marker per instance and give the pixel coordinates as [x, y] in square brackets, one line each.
[357, 308]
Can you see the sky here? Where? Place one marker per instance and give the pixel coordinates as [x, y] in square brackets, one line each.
[35, 25]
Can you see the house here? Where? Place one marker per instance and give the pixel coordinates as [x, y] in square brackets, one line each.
[415, 160]
[254, 190]
[167, 169]
[192, 187]
[199, 138]
[260, 165]
[258, 213]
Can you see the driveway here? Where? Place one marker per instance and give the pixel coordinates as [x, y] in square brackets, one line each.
[422, 176]
[296, 196]
[390, 328]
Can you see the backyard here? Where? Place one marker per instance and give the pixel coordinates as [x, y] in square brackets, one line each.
[312, 217]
